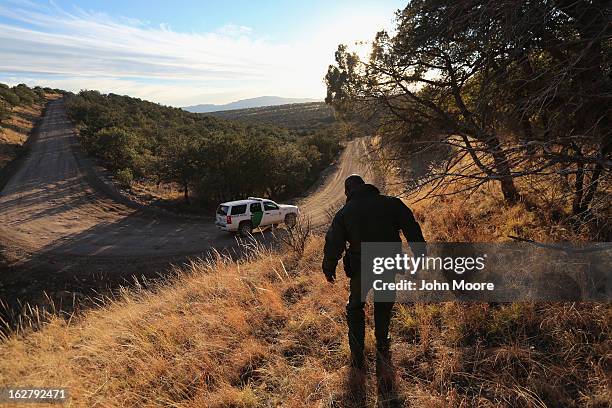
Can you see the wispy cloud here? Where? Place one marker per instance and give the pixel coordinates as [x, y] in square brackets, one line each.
[80, 49]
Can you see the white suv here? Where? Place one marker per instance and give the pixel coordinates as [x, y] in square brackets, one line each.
[243, 216]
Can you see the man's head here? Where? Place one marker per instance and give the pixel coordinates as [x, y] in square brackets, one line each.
[351, 183]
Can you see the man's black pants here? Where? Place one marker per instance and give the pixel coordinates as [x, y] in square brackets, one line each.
[355, 317]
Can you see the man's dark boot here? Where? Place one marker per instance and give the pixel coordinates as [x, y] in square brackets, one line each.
[384, 369]
[356, 388]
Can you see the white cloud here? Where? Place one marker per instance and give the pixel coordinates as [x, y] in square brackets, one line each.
[234, 30]
[84, 50]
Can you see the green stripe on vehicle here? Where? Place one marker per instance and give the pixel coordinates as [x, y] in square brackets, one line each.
[256, 218]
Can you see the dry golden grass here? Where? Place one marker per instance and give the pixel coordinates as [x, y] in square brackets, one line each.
[544, 212]
[269, 331]
[15, 131]
[219, 335]
[153, 191]
[483, 216]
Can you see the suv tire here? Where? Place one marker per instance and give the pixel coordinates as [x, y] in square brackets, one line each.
[290, 220]
[245, 228]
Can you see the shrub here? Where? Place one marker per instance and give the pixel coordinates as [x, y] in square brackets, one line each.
[116, 146]
[8, 95]
[124, 177]
[5, 110]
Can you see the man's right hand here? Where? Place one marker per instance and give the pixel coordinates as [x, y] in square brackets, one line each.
[330, 273]
[330, 278]
[329, 270]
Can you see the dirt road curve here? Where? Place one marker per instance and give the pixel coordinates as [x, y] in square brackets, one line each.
[330, 195]
[49, 206]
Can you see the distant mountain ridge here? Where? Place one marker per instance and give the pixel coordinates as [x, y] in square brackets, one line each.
[247, 103]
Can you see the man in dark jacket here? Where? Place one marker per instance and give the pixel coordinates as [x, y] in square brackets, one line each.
[367, 216]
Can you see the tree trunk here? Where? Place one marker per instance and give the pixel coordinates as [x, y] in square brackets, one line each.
[502, 169]
[186, 192]
[521, 97]
[586, 203]
[527, 134]
[577, 206]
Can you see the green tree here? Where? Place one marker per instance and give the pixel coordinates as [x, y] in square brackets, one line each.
[292, 168]
[9, 95]
[5, 111]
[117, 147]
[26, 95]
[180, 162]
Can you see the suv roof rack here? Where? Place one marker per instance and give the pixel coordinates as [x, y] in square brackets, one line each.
[255, 198]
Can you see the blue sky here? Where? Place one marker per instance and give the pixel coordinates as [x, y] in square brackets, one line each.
[183, 52]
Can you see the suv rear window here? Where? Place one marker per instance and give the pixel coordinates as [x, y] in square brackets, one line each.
[238, 209]
[222, 210]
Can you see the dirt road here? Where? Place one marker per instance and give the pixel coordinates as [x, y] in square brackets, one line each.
[330, 195]
[50, 206]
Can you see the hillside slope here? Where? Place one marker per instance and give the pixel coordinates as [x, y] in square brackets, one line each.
[304, 117]
[268, 331]
[246, 103]
[20, 109]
